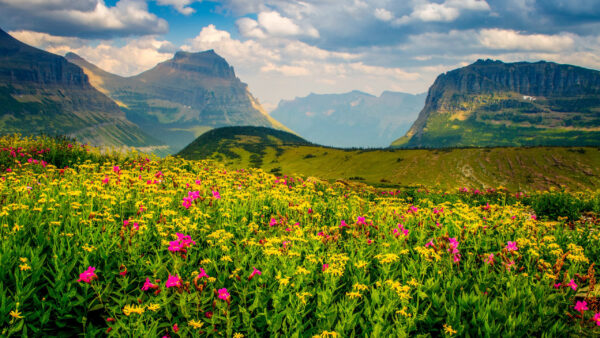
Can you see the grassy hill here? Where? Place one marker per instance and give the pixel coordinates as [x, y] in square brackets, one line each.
[522, 169]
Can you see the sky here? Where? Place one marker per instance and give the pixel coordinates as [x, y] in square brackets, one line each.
[288, 48]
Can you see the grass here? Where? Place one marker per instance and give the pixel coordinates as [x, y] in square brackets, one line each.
[519, 169]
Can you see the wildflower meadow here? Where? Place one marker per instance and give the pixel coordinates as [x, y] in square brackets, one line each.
[101, 243]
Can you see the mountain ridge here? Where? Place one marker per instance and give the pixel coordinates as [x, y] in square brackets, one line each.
[352, 119]
[183, 97]
[541, 103]
[41, 92]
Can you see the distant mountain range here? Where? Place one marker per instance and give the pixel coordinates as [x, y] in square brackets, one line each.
[43, 93]
[353, 119]
[488, 103]
[491, 103]
[182, 98]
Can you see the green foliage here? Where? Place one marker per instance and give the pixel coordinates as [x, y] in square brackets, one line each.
[557, 204]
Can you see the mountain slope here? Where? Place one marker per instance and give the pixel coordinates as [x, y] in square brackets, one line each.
[353, 119]
[43, 93]
[491, 103]
[254, 140]
[182, 98]
[518, 169]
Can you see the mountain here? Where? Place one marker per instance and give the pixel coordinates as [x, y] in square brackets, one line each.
[491, 103]
[353, 119]
[181, 98]
[44, 93]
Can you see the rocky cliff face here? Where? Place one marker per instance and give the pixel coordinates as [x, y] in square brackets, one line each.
[353, 119]
[470, 106]
[44, 93]
[183, 97]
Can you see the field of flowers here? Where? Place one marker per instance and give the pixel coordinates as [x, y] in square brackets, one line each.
[128, 246]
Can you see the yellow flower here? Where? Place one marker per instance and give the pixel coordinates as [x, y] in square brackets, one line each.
[24, 267]
[23, 260]
[448, 329]
[353, 294]
[238, 335]
[403, 312]
[195, 324]
[16, 314]
[129, 309]
[153, 307]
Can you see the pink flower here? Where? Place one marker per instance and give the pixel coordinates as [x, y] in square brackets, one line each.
[175, 327]
[125, 223]
[181, 244]
[509, 265]
[216, 194]
[272, 222]
[430, 243]
[572, 284]
[557, 285]
[456, 258]
[105, 180]
[254, 273]
[343, 224]
[512, 246]
[149, 285]
[173, 281]
[581, 306]
[198, 182]
[360, 220]
[597, 318]
[88, 275]
[325, 267]
[223, 294]
[490, 259]
[202, 274]
[116, 169]
[453, 245]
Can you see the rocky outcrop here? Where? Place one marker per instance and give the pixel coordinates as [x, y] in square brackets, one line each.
[181, 98]
[44, 93]
[489, 94]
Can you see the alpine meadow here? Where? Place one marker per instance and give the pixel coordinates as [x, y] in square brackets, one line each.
[279, 168]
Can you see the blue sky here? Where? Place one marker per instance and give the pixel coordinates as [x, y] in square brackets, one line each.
[289, 48]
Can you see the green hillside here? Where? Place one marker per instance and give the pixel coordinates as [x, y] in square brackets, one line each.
[518, 169]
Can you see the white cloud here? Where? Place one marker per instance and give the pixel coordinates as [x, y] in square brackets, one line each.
[135, 56]
[272, 24]
[285, 67]
[45, 41]
[180, 5]
[514, 40]
[83, 19]
[447, 11]
[383, 14]
[286, 70]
